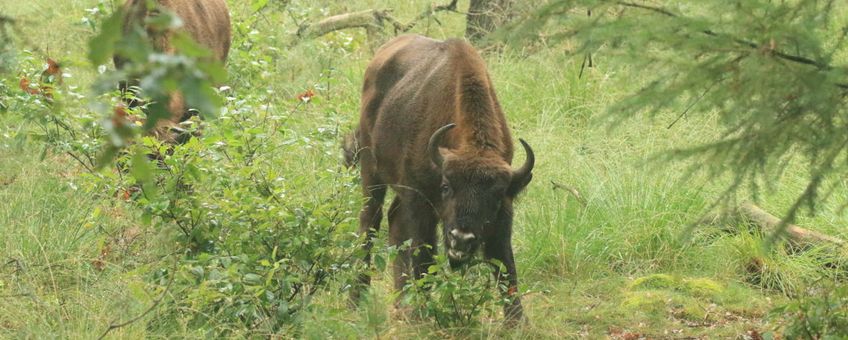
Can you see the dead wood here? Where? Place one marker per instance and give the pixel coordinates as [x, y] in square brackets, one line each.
[361, 19]
[373, 21]
[571, 190]
[748, 212]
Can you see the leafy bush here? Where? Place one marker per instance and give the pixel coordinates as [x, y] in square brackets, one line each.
[455, 297]
[818, 316]
[256, 254]
[251, 249]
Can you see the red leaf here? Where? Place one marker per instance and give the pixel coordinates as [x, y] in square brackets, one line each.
[119, 118]
[24, 85]
[306, 96]
[53, 68]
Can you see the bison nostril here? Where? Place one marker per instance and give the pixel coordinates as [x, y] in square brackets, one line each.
[462, 236]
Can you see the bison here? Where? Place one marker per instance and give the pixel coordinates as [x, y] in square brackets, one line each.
[205, 21]
[431, 128]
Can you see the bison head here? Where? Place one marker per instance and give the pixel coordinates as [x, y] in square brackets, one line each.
[477, 192]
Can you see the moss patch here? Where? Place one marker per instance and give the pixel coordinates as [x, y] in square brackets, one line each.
[703, 287]
[655, 281]
[697, 287]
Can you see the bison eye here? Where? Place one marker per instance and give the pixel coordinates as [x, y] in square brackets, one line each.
[445, 189]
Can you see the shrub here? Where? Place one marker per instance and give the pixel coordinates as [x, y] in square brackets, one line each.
[817, 316]
[250, 254]
[455, 297]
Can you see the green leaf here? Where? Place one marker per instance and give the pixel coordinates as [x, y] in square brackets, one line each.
[379, 261]
[141, 169]
[102, 46]
[259, 5]
[197, 271]
[251, 278]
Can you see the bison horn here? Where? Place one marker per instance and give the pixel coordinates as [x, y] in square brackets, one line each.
[525, 169]
[433, 146]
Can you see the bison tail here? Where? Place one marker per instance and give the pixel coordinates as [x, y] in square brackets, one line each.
[351, 148]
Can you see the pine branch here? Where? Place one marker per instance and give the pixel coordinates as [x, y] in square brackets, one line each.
[752, 45]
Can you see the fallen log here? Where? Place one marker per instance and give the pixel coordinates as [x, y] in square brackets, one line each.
[748, 212]
[372, 20]
[368, 19]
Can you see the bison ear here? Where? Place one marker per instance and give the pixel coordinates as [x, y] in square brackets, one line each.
[444, 154]
[518, 184]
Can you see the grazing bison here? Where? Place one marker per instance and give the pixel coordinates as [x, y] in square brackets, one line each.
[206, 21]
[432, 129]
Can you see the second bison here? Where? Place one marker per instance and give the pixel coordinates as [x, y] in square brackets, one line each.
[205, 21]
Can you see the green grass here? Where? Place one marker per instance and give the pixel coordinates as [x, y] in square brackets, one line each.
[620, 263]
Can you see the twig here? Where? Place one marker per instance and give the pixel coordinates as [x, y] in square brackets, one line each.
[15, 295]
[692, 104]
[588, 56]
[451, 7]
[149, 309]
[80, 161]
[573, 191]
[650, 8]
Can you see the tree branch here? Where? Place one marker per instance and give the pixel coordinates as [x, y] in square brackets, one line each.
[426, 14]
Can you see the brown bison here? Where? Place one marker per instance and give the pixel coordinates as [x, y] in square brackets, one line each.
[432, 129]
[206, 21]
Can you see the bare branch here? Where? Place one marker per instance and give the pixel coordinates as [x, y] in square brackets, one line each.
[451, 7]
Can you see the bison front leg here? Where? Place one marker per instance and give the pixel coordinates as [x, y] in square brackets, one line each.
[499, 247]
[412, 219]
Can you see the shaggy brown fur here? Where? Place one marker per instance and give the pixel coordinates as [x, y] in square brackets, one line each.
[206, 21]
[460, 176]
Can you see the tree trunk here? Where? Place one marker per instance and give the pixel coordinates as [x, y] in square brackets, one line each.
[484, 16]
